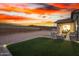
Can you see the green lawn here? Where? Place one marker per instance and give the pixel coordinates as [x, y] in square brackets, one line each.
[44, 47]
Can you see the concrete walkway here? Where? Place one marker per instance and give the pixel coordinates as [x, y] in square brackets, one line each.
[18, 37]
[4, 51]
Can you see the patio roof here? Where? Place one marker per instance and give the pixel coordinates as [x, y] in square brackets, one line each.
[64, 20]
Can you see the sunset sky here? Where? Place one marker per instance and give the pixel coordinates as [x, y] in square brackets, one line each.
[41, 14]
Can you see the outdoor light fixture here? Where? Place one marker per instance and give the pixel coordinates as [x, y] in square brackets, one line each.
[66, 28]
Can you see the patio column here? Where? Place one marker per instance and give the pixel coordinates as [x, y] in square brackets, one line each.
[78, 27]
[75, 17]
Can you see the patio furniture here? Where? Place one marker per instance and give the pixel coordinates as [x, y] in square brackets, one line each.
[60, 37]
[73, 36]
[54, 35]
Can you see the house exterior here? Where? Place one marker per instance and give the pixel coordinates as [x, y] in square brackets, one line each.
[75, 17]
[65, 25]
[69, 28]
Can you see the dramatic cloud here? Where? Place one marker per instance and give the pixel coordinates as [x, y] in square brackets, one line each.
[35, 13]
[52, 16]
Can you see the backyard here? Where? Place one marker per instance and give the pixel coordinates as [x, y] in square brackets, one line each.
[42, 46]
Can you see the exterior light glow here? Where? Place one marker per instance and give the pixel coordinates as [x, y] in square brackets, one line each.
[66, 28]
[4, 45]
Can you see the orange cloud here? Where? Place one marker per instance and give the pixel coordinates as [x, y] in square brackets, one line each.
[2, 16]
[17, 19]
[66, 5]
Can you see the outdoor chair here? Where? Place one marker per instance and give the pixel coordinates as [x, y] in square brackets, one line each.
[60, 37]
[73, 36]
